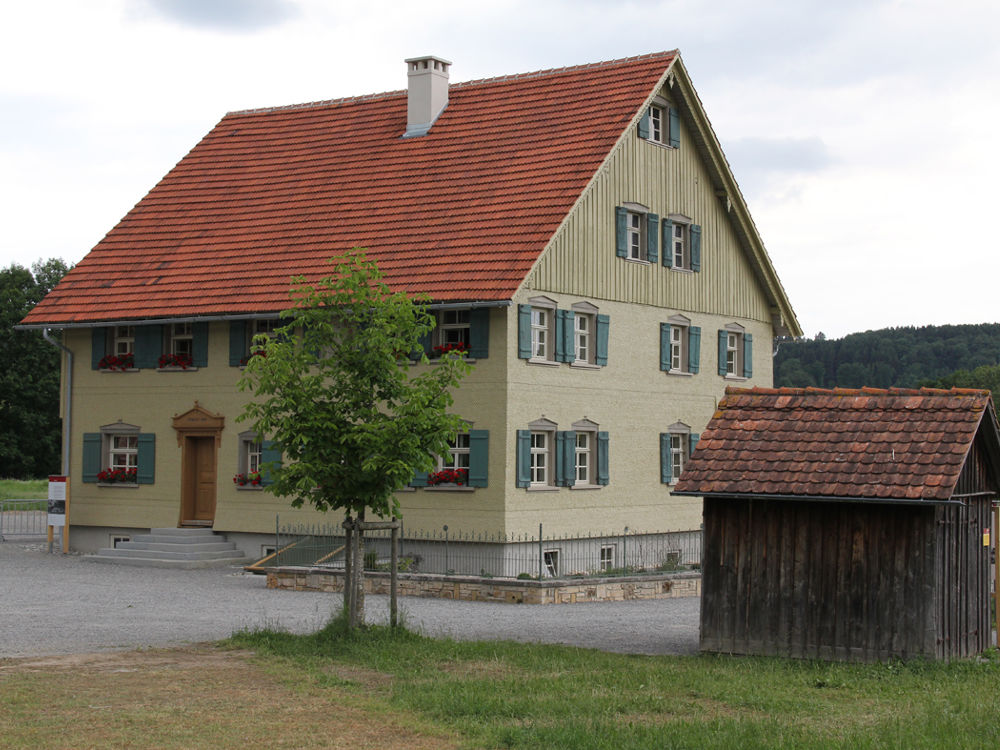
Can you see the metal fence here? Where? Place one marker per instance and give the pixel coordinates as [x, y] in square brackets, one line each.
[497, 555]
[23, 518]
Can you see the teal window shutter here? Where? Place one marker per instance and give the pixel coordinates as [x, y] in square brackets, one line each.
[148, 345]
[268, 454]
[665, 347]
[722, 352]
[91, 456]
[98, 348]
[199, 344]
[601, 352]
[652, 236]
[419, 479]
[423, 346]
[237, 342]
[695, 233]
[692, 442]
[479, 333]
[675, 128]
[666, 465]
[747, 355]
[668, 243]
[523, 458]
[569, 458]
[644, 124]
[602, 458]
[694, 348]
[524, 331]
[561, 336]
[146, 458]
[621, 232]
[479, 455]
[561, 468]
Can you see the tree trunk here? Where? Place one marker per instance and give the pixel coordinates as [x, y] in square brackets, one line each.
[356, 618]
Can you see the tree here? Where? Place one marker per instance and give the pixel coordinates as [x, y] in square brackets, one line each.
[29, 381]
[336, 394]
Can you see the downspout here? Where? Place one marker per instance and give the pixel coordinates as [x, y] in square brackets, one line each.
[67, 420]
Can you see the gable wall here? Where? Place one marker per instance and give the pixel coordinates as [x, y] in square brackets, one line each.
[581, 258]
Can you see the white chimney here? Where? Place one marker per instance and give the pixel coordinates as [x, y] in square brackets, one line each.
[426, 93]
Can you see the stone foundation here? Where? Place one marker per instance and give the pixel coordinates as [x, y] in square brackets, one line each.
[513, 591]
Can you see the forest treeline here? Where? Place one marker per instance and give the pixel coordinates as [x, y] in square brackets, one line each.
[893, 357]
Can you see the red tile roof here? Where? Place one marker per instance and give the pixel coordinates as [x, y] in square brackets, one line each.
[868, 443]
[460, 214]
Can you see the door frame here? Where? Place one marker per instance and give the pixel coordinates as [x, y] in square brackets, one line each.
[196, 422]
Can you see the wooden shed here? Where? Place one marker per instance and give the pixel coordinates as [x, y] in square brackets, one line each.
[847, 524]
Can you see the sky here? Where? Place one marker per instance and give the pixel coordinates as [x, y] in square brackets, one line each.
[861, 132]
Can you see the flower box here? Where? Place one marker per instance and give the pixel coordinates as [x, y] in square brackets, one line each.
[448, 476]
[120, 362]
[251, 479]
[182, 361]
[117, 476]
[445, 348]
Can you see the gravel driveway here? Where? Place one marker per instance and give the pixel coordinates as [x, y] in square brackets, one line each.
[55, 604]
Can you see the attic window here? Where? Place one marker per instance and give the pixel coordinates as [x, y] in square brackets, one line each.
[661, 124]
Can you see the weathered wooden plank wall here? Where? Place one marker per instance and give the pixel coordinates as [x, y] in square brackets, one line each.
[849, 581]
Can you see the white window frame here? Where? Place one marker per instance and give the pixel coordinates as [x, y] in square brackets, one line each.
[680, 237]
[583, 337]
[586, 454]
[658, 124]
[459, 452]
[254, 455]
[543, 330]
[636, 228]
[680, 342]
[550, 559]
[540, 462]
[734, 351]
[115, 455]
[124, 341]
[453, 327]
[251, 449]
[680, 449]
[606, 560]
[182, 339]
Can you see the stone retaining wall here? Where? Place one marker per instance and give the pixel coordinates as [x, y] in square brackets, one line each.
[514, 591]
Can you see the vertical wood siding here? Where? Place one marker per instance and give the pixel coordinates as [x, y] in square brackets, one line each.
[581, 259]
[846, 581]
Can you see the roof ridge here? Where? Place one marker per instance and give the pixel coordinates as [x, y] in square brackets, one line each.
[457, 84]
[863, 391]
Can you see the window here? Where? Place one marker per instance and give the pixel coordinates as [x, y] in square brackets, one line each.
[636, 233]
[676, 446]
[583, 327]
[538, 337]
[252, 462]
[680, 346]
[551, 559]
[124, 340]
[547, 335]
[681, 243]
[120, 454]
[661, 124]
[241, 338]
[607, 559]
[181, 339]
[735, 352]
[541, 347]
[469, 452]
[540, 464]
[582, 457]
[453, 330]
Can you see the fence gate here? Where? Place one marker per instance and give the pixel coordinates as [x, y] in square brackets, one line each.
[23, 518]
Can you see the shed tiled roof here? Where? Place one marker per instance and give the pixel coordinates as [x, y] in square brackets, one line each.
[461, 213]
[889, 444]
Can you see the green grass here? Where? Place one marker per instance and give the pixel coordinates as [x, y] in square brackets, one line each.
[507, 695]
[24, 489]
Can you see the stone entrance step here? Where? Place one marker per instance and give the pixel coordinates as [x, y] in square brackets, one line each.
[173, 548]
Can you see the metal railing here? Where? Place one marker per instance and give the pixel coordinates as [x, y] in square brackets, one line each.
[533, 556]
[23, 518]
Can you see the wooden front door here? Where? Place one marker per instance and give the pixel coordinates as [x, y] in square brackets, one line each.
[199, 483]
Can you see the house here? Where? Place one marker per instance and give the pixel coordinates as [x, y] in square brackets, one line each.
[847, 524]
[578, 230]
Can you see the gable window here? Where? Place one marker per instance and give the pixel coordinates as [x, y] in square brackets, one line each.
[681, 243]
[735, 352]
[676, 446]
[636, 233]
[680, 346]
[120, 454]
[661, 124]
